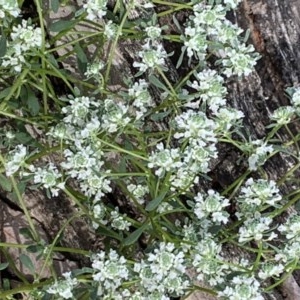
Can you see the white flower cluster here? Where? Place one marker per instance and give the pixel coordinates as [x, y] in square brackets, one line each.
[64, 288]
[283, 115]
[296, 97]
[260, 151]
[152, 57]
[163, 272]
[257, 194]
[96, 9]
[110, 272]
[209, 26]
[164, 160]
[208, 262]
[257, 228]
[49, 178]
[141, 98]
[212, 206]
[118, 221]
[15, 160]
[267, 270]
[115, 116]
[24, 40]
[291, 251]
[210, 87]
[138, 191]
[242, 287]
[9, 8]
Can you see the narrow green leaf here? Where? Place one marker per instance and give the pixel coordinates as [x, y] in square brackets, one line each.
[80, 53]
[35, 248]
[5, 183]
[3, 266]
[106, 232]
[155, 81]
[155, 202]
[3, 45]
[5, 92]
[61, 25]
[32, 102]
[134, 236]
[26, 233]
[26, 261]
[55, 5]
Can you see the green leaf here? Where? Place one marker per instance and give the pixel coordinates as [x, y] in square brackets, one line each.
[3, 266]
[80, 53]
[32, 102]
[26, 233]
[134, 236]
[155, 81]
[106, 232]
[35, 248]
[26, 261]
[160, 116]
[3, 47]
[55, 5]
[5, 92]
[5, 183]
[61, 25]
[155, 202]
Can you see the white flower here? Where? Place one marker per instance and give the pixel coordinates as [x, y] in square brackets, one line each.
[296, 97]
[115, 116]
[283, 115]
[138, 191]
[10, 7]
[242, 287]
[240, 61]
[110, 271]
[259, 156]
[232, 3]
[196, 126]
[96, 9]
[78, 110]
[165, 160]
[270, 270]
[15, 160]
[208, 15]
[110, 30]
[256, 229]
[152, 57]
[118, 221]
[226, 118]
[49, 178]
[26, 36]
[291, 228]
[93, 70]
[256, 194]
[212, 206]
[163, 271]
[96, 185]
[207, 261]
[153, 32]
[196, 42]
[210, 87]
[64, 287]
[142, 99]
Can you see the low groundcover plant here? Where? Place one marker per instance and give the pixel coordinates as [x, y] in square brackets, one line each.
[154, 143]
